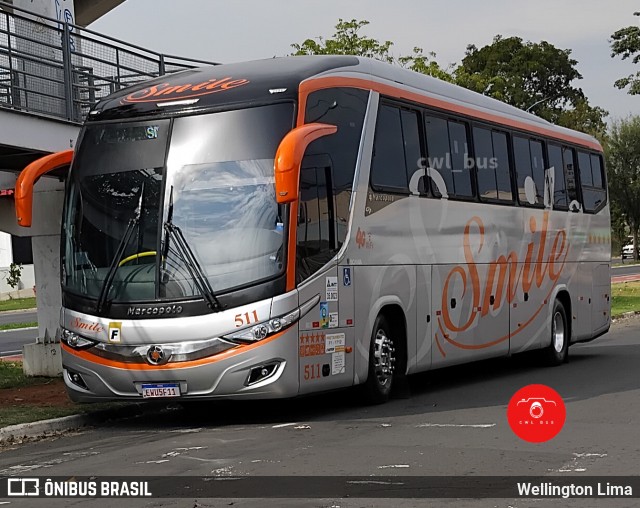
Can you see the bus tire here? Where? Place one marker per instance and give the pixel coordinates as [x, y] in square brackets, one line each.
[382, 361]
[558, 351]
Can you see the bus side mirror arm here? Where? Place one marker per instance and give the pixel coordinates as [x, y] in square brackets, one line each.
[289, 158]
[28, 178]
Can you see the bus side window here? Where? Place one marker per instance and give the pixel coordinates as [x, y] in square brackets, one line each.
[459, 150]
[447, 155]
[554, 153]
[570, 175]
[492, 164]
[591, 181]
[345, 108]
[389, 164]
[538, 167]
[316, 236]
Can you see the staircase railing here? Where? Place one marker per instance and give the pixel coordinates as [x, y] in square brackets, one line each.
[59, 69]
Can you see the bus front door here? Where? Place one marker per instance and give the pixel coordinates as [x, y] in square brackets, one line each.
[326, 336]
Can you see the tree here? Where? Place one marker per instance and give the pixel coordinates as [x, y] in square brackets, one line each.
[625, 43]
[623, 161]
[426, 64]
[618, 226]
[14, 275]
[347, 40]
[531, 76]
[586, 118]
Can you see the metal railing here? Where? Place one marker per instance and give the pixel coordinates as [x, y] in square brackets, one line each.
[60, 69]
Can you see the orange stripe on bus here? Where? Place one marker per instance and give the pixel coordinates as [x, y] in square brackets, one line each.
[89, 357]
[315, 84]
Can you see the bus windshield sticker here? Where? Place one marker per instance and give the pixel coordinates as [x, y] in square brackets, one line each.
[333, 320]
[324, 315]
[332, 289]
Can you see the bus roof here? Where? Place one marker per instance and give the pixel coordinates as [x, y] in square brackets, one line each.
[275, 79]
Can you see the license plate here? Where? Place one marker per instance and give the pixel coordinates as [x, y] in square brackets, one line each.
[161, 390]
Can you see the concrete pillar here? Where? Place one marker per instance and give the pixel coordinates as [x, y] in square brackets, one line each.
[46, 264]
[5, 250]
[43, 357]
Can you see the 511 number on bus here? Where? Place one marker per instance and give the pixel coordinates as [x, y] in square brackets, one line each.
[246, 318]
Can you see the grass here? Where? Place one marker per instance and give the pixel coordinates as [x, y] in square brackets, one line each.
[625, 298]
[26, 413]
[12, 376]
[15, 326]
[13, 415]
[18, 304]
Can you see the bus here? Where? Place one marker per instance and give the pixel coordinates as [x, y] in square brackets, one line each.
[295, 225]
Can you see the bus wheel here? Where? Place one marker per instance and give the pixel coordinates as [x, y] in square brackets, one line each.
[382, 359]
[558, 351]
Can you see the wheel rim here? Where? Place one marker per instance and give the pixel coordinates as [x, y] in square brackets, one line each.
[558, 332]
[384, 358]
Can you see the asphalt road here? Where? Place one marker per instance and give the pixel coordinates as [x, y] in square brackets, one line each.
[617, 271]
[21, 316]
[11, 341]
[453, 423]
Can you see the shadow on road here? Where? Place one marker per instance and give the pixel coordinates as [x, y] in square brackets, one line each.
[591, 372]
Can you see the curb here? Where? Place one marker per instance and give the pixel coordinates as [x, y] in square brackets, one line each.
[18, 432]
[47, 428]
[19, 329]
[18, 311]
[626, 315]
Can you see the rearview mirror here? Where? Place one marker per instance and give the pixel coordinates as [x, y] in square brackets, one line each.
[289, 158]
[28, 178]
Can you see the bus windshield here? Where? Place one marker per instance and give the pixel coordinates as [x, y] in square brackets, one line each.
[210, 176]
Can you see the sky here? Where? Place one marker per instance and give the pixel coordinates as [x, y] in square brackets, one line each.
[239, 30]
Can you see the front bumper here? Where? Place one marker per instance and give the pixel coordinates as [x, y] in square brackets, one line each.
[225, 375]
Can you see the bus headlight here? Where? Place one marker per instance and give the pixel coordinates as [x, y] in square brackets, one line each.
[267, 328]
[74, 340]
[274, 325]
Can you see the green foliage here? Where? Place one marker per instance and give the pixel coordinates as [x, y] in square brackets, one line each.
[531, 76]
[13, 278]
[618, 227]
[348, 40]
[426, 64]
[584, 117]
[625, 43]
[622, 152]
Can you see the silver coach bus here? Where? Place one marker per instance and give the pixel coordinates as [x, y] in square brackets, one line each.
[287, 226]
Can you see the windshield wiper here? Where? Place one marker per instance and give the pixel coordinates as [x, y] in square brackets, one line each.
[189, 259]
[124, 241]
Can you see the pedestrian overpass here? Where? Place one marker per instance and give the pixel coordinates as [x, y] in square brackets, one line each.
[52, 72]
